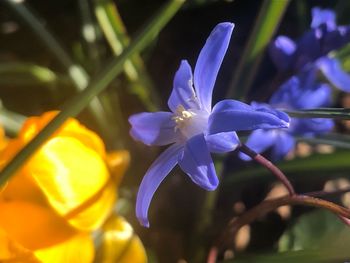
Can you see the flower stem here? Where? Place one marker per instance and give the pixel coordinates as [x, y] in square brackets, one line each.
[327, 113]
[269, 205]
[268, 165]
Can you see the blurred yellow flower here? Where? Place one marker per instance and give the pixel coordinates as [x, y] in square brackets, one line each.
[66, 190]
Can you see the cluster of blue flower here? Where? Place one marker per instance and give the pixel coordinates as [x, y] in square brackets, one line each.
[195, 129]
[305, 59]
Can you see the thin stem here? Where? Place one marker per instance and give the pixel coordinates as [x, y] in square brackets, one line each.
[328, 113]
[77, 103]
[326, 193]
[269, 205]
[268, 165]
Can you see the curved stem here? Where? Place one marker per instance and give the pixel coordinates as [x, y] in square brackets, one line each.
[268, 165]
[267, 206]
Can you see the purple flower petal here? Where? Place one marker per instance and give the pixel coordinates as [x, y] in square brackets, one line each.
[209, 62]
[152, 179]
[308, 48]
[323, 17]
[264, 107]
[183, 92]
[296, 93]
[153, 128]
[320, 96]
[332, 70]
[222, 142]
[196, 162]
[281, 51]
[284, 143]
[335, 39]
[311, 126]
[259, 141]
[230, 115]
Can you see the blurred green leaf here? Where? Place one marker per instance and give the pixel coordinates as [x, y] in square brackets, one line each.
[314, 165]
[77, 74]
[271, 12]
[77, 103]
[115, 32]
[327, 255]
[338, 140]
[11, 121]
[28, 74]
[316, 237]
[315, 230]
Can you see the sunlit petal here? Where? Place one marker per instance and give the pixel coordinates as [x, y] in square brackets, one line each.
[78, 248]
[183, 92]
[120, 244]
[209, 62]
[33, 226]
[197, 163]
[68, 172]
[160, 168]
[153, 128]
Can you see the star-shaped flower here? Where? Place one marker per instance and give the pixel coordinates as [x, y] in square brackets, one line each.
[193, 127]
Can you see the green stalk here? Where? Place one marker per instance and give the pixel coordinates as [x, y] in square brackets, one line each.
[77, 103]
[11, 121]
[89, 33]
[77, 74]
[328, 113]
[340, 141]
[114, 30]
[269, 17]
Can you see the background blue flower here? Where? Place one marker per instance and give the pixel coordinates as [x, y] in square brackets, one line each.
[299, 92]
[312, 50]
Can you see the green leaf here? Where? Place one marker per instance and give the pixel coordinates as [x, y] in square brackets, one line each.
[314, 165]
[28, 74]
[76, 72]
[116, 35]
[340, 141]
[77, 104]
[269, 17]
[316, 237]
[316, 230]
[328, 255]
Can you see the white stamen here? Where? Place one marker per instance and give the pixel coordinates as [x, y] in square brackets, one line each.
[190, 122]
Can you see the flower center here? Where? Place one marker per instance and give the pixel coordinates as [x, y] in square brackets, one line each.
[190, 122]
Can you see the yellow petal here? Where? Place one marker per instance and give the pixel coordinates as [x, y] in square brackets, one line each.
[21, 186]
[12, 252]
[70, 128]
[118, 162]
[120, 244]
[68, 173]
[33, 226]
[77, 249]
[92, 214]
[3, 139]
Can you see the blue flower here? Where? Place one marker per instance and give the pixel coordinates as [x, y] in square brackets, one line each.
[299, 92]
[192, 127]
[313, 48]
